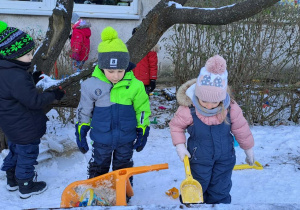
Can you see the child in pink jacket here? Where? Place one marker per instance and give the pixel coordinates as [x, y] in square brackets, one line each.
[211, 118]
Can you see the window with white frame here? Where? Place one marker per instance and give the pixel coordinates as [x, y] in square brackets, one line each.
[114, 9]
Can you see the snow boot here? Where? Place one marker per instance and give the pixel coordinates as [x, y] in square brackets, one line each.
[28, 187]
[12, 184]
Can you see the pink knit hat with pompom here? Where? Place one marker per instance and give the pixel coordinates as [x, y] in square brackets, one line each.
[211, 84]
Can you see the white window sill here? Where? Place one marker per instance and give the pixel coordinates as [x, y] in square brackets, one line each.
[81, 14]
[45, 8]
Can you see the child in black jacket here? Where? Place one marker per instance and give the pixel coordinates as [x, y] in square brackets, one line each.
[21, 111]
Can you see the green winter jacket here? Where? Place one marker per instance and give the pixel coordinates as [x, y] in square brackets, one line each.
[113, 111]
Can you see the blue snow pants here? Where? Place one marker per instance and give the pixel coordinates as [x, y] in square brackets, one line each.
[212, 158]
[22, 158]
[103, 155]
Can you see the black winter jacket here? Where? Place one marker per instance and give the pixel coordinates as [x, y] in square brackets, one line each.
[21, 106]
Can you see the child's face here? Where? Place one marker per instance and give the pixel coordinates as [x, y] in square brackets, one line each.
[26, 58]
[209, 105]
[114, 75]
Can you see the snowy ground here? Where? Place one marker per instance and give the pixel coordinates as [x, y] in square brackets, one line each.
[277, 186]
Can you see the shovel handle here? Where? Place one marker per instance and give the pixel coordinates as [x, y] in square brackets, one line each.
[187, 167]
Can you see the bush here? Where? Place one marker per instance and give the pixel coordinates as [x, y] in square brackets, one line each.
[263, 62]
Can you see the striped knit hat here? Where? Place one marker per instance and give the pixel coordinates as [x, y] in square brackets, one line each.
[112, 52]
[14, 43]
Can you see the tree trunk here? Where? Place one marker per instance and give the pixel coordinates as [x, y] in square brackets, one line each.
[56, 37]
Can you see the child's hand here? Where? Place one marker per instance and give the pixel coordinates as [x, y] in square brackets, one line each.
[37, 76]
[182, 151]
[81, 131]
[141, 139]
[152, 85]
[249, 156]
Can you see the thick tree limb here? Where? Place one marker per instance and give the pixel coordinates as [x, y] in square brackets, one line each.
[56, 37]
[219, 16]
[72, 86]
[162, 17]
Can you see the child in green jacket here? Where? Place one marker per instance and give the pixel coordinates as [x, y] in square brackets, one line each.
[114, 106]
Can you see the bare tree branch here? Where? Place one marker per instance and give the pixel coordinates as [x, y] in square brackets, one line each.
[219, 16]
[162, 17]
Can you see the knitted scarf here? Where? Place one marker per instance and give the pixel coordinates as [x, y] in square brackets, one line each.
[210, 112]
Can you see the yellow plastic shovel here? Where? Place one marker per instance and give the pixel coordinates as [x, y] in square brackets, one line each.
[256, 166]
[191, 189]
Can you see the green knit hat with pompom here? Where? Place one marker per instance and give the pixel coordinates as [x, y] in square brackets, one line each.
[112, 52]
[14, 43]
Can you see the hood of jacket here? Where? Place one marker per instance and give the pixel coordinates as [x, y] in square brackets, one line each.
[182, 98]
[6, 64]
[81, 24]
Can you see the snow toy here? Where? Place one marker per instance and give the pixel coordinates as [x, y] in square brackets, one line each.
[173, 192]
[114, 185]
[236, 144]
[266, 104]
[191, 189]
[154, 121]
[256, 166]
[154, 93]
[169, 96]
[92, 199]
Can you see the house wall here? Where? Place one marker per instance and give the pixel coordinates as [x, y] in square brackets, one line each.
[38, 25]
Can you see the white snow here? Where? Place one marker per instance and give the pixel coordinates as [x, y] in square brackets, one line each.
[277, 186]
[179, 6]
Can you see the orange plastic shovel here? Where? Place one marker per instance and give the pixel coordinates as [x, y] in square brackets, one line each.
[116, 183]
